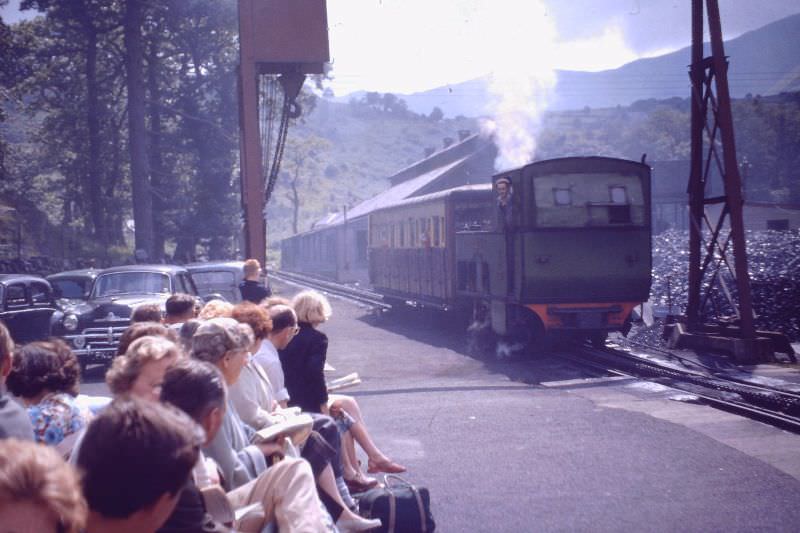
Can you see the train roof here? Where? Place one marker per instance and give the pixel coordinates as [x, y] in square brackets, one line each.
[395, 194]
[580, 161]
[463, 189]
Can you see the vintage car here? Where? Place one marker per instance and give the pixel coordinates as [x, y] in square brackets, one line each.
[72, 287]
[219, 279]
[93, 328]
[26, 305]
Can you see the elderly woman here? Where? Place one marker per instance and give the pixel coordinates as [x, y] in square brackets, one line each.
[141, 370]
[38, 490]
[303, 362]
[225, 343]
[45, 375]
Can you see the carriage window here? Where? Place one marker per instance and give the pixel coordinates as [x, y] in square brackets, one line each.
[436, 231]
[562, 197]
[474, 216]
[619, 194]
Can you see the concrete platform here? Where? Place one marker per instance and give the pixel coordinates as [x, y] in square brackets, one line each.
[528, 445]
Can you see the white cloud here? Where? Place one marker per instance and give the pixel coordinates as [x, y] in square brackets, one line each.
[413, 45]
[605, 51]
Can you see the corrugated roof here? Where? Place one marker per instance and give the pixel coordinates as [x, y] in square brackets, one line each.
[441, 194]
[390, 196]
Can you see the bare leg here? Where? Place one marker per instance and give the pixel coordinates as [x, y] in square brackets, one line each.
[327, 483]
[350, 468]
[378, 461]
[359, 429]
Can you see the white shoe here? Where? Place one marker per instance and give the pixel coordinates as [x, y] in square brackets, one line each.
[351, 525]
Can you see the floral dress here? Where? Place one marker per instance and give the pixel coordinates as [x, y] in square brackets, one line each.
[56, 417]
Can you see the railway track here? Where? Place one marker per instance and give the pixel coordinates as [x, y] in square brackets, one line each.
[776, 406]
[358, 295]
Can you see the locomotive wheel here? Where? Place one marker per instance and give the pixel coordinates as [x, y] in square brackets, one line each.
[528, 332]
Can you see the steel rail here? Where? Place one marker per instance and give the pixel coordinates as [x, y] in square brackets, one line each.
[773, 406]
[337, 289]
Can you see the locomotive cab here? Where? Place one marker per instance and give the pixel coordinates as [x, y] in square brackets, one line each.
[569, 250]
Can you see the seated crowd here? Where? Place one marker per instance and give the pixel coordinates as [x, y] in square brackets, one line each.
[220, 419]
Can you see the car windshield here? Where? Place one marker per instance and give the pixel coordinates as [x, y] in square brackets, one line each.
[74, 289]
[214, 278]
[131, 283]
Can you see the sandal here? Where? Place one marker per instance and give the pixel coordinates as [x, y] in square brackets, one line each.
[385, 465]
[360, 484]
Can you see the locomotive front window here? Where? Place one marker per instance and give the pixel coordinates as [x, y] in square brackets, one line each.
[619, 194]
[588, 199]
[562, 197]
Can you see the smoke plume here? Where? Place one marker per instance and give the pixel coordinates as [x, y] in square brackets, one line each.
[521, 83]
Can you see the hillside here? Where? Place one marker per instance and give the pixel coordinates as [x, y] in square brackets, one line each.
[764, 61]
[344, 153]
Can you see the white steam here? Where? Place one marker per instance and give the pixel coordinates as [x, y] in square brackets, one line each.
[522, 79]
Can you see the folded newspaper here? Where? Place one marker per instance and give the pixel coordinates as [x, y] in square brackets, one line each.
[296, 427]
[350, 380]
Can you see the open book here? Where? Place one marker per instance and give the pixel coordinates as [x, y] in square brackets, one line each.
[296, 427]
[350, 380]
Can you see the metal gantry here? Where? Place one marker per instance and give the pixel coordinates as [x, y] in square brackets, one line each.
[711, 248]
[712, 119]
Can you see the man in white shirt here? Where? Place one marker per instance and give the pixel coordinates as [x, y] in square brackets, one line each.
[284, 328]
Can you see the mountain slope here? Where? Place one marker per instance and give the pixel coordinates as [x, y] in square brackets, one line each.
[764, 61]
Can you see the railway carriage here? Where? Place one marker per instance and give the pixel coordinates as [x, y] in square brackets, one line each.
[560, 245]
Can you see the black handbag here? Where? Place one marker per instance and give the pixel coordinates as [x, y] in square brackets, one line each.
[401, 506]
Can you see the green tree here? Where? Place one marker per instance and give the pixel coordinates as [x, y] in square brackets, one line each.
[436, 114]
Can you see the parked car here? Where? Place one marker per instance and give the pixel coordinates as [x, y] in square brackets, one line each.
[94, 327]
[218, 279]
[73, 287]
[26, 305]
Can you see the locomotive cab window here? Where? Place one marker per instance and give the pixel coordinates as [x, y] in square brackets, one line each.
[588, 199]
[562, 197]
[618, 194]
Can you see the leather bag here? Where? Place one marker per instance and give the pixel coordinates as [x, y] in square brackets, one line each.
[401, 507]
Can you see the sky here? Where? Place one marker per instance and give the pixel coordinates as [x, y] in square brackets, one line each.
[412, 45]
[405, 46]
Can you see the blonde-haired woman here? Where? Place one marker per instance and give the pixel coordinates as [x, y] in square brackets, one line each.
[141, 370]
[216, 309]
[38, 490]
[303, 362]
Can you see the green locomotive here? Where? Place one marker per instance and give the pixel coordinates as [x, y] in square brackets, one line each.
[560, 245]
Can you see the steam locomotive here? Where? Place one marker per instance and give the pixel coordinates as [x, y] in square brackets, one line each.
[556, 246]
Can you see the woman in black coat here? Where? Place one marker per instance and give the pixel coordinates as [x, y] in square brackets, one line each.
[303, 362]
